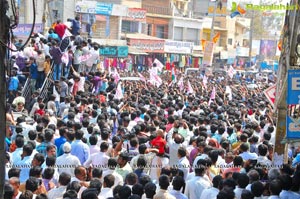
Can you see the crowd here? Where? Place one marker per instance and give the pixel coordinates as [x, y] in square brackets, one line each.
[97, 137]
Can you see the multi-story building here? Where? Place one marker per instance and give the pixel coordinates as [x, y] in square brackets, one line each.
[170, 19]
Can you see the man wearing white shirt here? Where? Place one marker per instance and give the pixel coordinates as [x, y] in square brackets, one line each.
[242, 181]
[80, 174]
[67, 162]
[197, 184]
[94, 148]
[100, 159]
[15, 183]
[112, 164]
[183, 162]
[64, 180]
[262, 159]
[108, 183]
[175, 141]
[178, 183]
[212, 192]
[246, 155]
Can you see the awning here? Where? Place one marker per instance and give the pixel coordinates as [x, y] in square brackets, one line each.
[134, 51]
[197, 55]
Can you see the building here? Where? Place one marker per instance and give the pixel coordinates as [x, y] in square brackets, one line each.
[171, 20]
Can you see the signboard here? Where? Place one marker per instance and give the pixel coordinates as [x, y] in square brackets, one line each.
[208, 54]
[122, 51]
[103, 8]
[93, 7]
[242, 52]
[114, 51]
[86, 7]
[24, 29]
[270, 93]
[178, 47]
[219, 12]
[293, 101]
[136, 14]
[148, 45]
[293, 96]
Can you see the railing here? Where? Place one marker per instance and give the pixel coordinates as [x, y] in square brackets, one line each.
[157, 10]
[26, 91]
[47, 83]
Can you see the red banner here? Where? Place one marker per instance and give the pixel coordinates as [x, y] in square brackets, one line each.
[148, 46]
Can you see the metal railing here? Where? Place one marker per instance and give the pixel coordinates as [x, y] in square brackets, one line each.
[47, 83]
[26, 91]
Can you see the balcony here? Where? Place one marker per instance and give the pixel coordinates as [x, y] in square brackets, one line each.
[157, 10]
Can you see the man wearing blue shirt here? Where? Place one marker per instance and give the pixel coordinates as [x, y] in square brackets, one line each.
[25, 163]
[79, 148]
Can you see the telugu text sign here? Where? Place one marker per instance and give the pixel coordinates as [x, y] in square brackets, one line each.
[25, 29]
[136, 14]
[148, 45]
[178, 47]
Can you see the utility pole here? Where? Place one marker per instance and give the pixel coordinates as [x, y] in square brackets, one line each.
[213, 21]
[250, 37]
[4, 27]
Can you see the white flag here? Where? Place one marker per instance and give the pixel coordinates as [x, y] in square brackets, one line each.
[180, 84]
[190, 88]
[231, 71]
[155, 79]
[229, 91]
[205, 81]
[159, 65]
[119, 92]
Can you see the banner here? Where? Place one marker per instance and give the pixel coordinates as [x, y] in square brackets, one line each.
[178, 47]
[24, 29]
[293, 102]
[114, 51]
[148, 45]
[136, 14]
[208, 54]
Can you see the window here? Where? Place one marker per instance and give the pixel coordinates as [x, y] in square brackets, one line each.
[149, 31]
[160, 31]
[229, 41]
[129, 26]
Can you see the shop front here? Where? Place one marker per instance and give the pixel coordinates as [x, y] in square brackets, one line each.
[178, 54]
[148, 49]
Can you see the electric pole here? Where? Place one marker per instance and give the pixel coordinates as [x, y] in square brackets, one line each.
[4, 35]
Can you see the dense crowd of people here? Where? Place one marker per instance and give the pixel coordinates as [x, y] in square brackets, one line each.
[96, 137]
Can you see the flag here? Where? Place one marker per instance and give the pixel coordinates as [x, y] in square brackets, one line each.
[119, 93]
[216, 37]
[203, 42]
[229, 91]
[155, 79]
[279, 45]
[204, 81]
[212, 95]
[116, 76]
[173, 75]
[180, 84]
[231, 72]
[190, 88]
[159, 65]
[142, 77]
